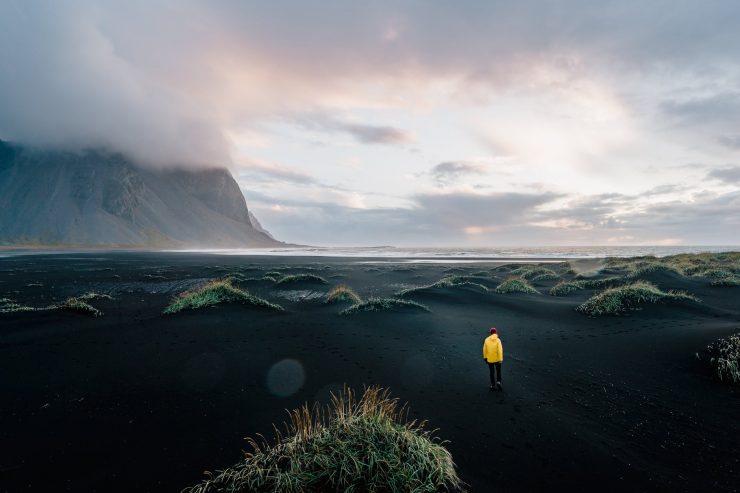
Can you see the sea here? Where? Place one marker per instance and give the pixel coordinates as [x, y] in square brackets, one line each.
[465, 254]
[430, 255]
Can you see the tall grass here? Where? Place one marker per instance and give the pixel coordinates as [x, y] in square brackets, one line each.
[727, 281]
[515, 285]
[383, 305]
[535, 273]
[77, 305]
[74, 304]
[342, 294]
[689, 264]
[213, 293]
[723, 356]
[93, 296]
[564, 288]
[449, 281]
[10, 306]
[364, 444]
[306, 278]
[652, 268]
[614, 301]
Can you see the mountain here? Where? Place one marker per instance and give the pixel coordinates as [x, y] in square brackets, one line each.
[257, 225]
[101, 198]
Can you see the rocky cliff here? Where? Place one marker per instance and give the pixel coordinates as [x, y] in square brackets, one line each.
[99, 198]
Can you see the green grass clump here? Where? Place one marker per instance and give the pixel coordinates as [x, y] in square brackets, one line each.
[92, 296]
[342, 294]
[77, 305]
[515, 285]
[614, 301]
[687, 264]
[271, 276]
[215, 292]
[308, 278]
[448, 281]
[723, 356]
[9, 306]
[535, 273]
[352, 445]
[714, 273]
[382, 305]
[458, 281]
[727, 281]
[563, 288]
[236, 277]
[640, 270]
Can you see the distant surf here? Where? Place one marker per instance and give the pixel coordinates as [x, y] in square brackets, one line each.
[471, 254]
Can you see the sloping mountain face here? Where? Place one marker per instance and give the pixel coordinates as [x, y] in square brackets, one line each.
[99, 198]
[258, 226]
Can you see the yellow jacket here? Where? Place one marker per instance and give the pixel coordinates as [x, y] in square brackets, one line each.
[493, 351]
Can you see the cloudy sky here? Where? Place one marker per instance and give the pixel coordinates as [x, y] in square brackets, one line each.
[425, 122]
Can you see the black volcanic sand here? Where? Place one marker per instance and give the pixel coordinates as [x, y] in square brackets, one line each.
[139, 401]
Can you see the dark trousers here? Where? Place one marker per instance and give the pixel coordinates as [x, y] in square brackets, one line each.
[495, 370]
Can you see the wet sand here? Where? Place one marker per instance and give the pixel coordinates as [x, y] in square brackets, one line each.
[139, 401]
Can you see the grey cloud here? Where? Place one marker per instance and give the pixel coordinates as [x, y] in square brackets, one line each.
[712, 220]
[729, 175]
[719, 107]
[451, 170]
[733, 142]
[370, 134]
[432, 218]
[81, 73]
[272, 173]
[65, 84]
[361, 132]
[464, 209]
[507, 219]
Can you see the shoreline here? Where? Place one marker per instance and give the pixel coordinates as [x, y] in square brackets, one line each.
[396, 255]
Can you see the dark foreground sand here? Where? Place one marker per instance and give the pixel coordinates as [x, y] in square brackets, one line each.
[138, 401]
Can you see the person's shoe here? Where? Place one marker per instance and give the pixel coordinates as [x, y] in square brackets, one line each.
[500, 387]
[491, 389]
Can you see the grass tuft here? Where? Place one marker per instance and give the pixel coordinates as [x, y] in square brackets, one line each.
[687, 264]
[92, 296]
[77, 305]
[9, 306]
[342, 294]
[727, 281]
[563, 288]
[723, 355]
[215, 292]
[515, 285]
[642, 269]
[308, 278]
[448, 281]
[355, 444]
[382, 305]
[236, 277]
[614, 301]
[535, 273]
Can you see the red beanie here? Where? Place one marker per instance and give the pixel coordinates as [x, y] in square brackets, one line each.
[493, 330]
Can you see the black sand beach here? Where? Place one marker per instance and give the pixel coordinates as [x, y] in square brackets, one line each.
[136, 400]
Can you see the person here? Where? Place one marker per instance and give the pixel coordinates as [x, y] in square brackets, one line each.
[493, 355]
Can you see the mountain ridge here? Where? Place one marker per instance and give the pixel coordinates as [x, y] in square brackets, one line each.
[101, 198]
